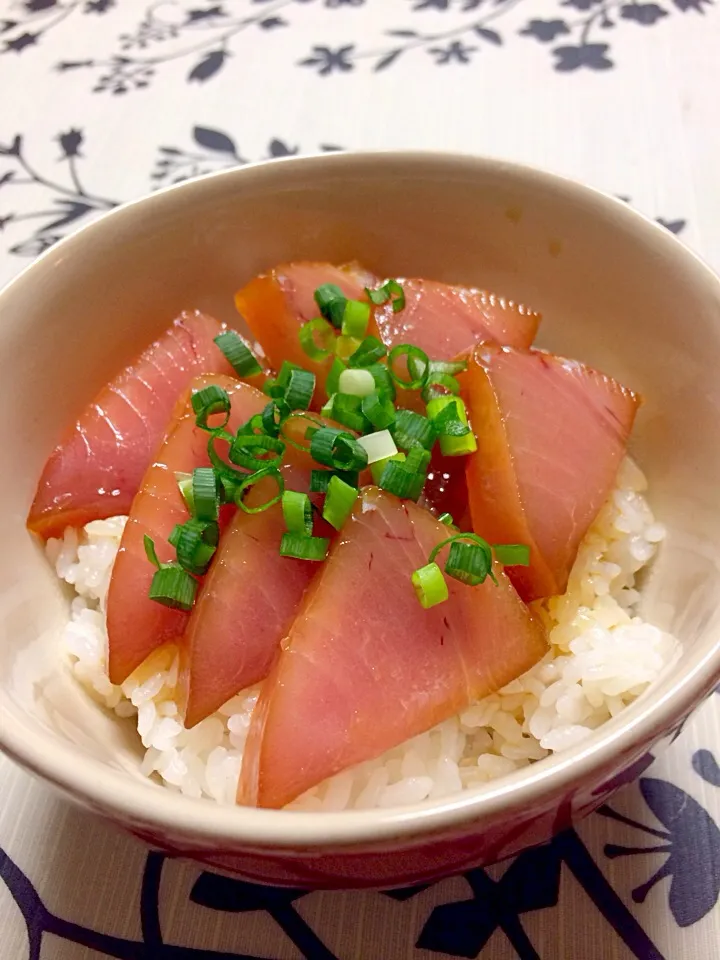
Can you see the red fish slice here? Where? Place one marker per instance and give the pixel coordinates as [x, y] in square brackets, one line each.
[276, 304]
[551, 433]
[364, 666]
[97, 468]
[445, 320]
[136, 624]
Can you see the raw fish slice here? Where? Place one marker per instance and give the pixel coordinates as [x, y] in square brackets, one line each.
[446, 321]
[98, 467]
[551, 434]
[365, 667]
[276, 304]
[136, 624]
[248, 599]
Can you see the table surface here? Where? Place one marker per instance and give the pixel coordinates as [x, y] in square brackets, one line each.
[104, 100]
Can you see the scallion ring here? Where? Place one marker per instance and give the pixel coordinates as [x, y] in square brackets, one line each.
[270, 472]
[420, 362]
[317, 338]
[208, 401]
[241, 451]
[338, 449]
[238, 354]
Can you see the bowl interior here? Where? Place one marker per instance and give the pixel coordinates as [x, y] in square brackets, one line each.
[615, 291]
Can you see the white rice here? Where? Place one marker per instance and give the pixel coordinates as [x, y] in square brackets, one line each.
[602, 657]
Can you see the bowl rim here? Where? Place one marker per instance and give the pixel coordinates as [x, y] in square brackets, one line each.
[151, 806]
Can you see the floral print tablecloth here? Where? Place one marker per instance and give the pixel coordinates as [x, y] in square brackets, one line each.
[104, 100]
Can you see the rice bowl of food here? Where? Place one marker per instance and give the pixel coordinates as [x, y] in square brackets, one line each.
[351, 549]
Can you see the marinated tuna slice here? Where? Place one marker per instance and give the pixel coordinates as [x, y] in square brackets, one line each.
[551, 434]
[445, 321]
[276, 304]
[97, 468]
[247, 601]
[136, 624]
[365, 666]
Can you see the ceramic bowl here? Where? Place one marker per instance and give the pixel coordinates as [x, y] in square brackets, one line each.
[615, 290]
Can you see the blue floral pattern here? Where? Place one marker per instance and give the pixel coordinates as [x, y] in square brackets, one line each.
[204, 35]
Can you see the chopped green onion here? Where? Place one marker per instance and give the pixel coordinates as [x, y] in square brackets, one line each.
[384, 383]
[173, 587]
[345, 347]
[417, 459]
[512, 554]
[339, 502]
[273, 417]
[241, 451]
[304, 548]
[470, 559]
[439, 385]
[184, 482]
[447, 519]
[332, 384]
[309, 343]
[253, 426]
[319, 479]
[418, 366]
[411, 429]
[331, 303]
[430, 585]
[297, 511]
[150, 551]
[377, 468]
[205, 494]
[367, 353]
[449, 417]
[278, 387]
[390, 289]
[300, 389]
[238, 354]
[195, 543]
[379, 411]
[346, 409]
[208, 401]
[228, 475]
[271, 472]
[451, 367]
[337, 449]
[288, 428]
[399, 478]
[356, 316]
[359, 383]
[378, 446]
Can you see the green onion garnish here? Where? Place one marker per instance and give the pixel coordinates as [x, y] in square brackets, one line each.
[345, 347]
[389, 290]
[205, 494]
[429, 585]
[360, 383]
[273, 417]
[297, 511]
[238, 354]
[450, 420]
[332, 384]
[304, 548]
[346, 409]
[312, 332]
[512, 554]
[418, 366]
[451, 367]
[384, 383]
[367, 353]
[337, 449]
[208, 401]
[195, 543]
[184, 482]
[470, 559]
[242, 446]
[319, 479]
[300, 389]
[173, 587]
[331, 303]
[377, 468]
[150, 552]
[439, 385]
[447, 519]
[406, 478]
[411, 429]
[287, 427]
[356, 316]
[250, 480]
[339, 502]
[380, 412]
[228, 475]
[378, 446]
